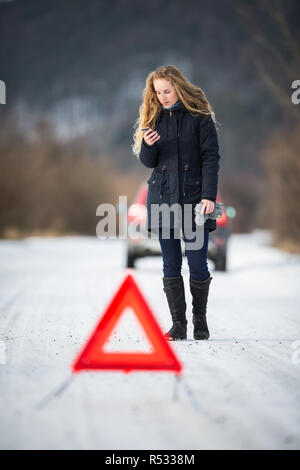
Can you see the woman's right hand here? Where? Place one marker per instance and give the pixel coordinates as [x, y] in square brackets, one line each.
[150, 137]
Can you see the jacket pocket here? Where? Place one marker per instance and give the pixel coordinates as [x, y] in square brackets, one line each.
[154, 180]
[192, 186]
[193, 181]
[159, 179]
[158, 187]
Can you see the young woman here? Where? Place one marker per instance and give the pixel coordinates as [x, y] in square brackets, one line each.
[181, 145]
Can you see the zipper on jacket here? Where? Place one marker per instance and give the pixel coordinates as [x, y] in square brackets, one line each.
[185, 170]
[171, 113]
[178, 124]
[164, 167]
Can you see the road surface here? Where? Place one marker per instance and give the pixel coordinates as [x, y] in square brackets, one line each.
[239, 390]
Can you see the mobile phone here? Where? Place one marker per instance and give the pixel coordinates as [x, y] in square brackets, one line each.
[144, 129]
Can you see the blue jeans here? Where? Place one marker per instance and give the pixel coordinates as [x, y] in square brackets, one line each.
[172, 257]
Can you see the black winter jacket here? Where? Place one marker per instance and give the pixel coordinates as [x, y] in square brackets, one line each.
[185, 161]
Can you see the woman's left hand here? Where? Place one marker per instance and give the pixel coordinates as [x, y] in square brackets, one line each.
[208, 206]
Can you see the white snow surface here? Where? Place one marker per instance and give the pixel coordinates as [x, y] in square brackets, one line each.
[239, 390]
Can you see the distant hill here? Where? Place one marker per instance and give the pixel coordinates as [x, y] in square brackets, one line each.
[83, 63]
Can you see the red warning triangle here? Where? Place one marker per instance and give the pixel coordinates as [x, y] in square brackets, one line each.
[93, 355]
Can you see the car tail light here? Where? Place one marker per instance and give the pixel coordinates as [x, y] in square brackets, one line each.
[137, 213]
[141, 197]
[223, 220]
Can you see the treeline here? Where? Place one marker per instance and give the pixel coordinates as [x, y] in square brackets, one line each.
[282, 166]
[277, 64]
[51, 187]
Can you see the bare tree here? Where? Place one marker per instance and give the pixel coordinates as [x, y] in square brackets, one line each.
[273, 50]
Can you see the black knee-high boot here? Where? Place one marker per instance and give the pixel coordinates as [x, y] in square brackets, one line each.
[174, 289]
[199, 291]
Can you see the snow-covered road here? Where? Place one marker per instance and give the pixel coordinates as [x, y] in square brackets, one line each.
[240, 389]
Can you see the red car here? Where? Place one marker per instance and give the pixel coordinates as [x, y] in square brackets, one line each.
[139, 245]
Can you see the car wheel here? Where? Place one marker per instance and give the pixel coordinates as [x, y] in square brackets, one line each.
[220, 263]
[130, 260]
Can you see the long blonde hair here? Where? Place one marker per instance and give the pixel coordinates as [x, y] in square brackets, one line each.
[192, 97]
